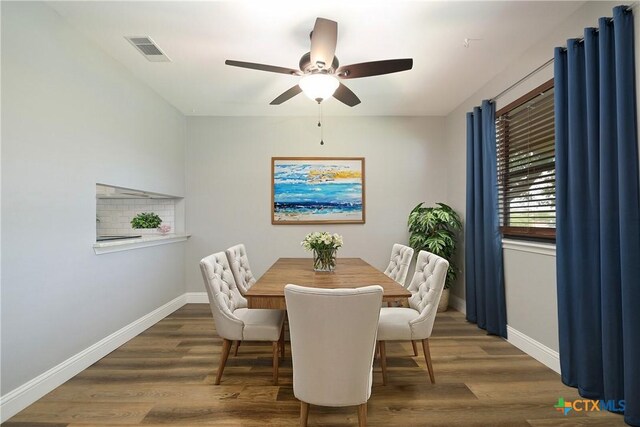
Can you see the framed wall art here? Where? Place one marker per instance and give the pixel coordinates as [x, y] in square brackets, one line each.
[317, 190]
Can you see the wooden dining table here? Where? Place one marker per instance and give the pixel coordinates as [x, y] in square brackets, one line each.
[268, 291]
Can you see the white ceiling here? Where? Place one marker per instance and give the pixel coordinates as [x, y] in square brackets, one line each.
[198, 37]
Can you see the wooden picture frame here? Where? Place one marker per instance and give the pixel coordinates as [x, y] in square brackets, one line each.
[317, 190]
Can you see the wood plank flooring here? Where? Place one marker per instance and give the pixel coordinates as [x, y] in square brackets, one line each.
[165, 376]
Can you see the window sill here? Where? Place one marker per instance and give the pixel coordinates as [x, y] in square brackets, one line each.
[137, 243]
[548, 249]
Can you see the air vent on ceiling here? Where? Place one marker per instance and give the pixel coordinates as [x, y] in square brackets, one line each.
[148, 48]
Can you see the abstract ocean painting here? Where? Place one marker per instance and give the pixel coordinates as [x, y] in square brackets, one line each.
[317, 190]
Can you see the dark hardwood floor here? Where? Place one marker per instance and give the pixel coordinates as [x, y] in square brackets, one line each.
[165, 376]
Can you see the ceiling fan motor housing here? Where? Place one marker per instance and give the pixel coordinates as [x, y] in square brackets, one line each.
[307, 67]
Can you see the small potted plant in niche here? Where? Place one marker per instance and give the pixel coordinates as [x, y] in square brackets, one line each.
[434, 229]
[146, 221]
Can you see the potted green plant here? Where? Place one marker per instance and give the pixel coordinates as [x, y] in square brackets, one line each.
[434, 229]
[146, 221]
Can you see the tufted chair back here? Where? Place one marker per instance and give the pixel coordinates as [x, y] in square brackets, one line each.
[239, 263]
[399, 263]
[333, 337]
[426, 289]
[224, 296]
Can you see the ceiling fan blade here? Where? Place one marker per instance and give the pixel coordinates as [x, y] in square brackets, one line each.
[346, 96]
[263, 67]
[323, 42]
[286, 95]
[375, 68]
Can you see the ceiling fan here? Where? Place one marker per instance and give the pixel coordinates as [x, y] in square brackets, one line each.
[320, 69]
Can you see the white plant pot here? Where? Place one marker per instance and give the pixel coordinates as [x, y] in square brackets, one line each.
[146, 231]
[443, 305]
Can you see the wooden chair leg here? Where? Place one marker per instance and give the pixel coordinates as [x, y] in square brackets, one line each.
[282, 342]
[235, 352]
[415, 348]
[427, 358]
[383, 362]
[226, 346]
[275, 362]
[304, 413]
[362, 415]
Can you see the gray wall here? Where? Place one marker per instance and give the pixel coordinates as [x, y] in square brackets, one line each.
[71, 117]
[529, 277]
[229, 183]
[530, 282]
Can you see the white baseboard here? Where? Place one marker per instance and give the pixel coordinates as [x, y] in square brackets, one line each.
[457, 303]
[23, 396]
[533, 348]
[197, 298]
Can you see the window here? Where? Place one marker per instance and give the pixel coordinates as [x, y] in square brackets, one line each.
[525, 136]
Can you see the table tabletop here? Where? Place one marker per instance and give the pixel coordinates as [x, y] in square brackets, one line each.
[268, 291]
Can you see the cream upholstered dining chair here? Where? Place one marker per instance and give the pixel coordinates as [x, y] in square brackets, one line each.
[333, 339]
[235, 323]
[240, 268]
[415, 322]
[398, 267]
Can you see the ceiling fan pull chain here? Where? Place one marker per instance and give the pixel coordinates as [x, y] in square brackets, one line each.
[320, 125]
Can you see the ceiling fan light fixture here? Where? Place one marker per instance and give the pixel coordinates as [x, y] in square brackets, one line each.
[319, 86]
